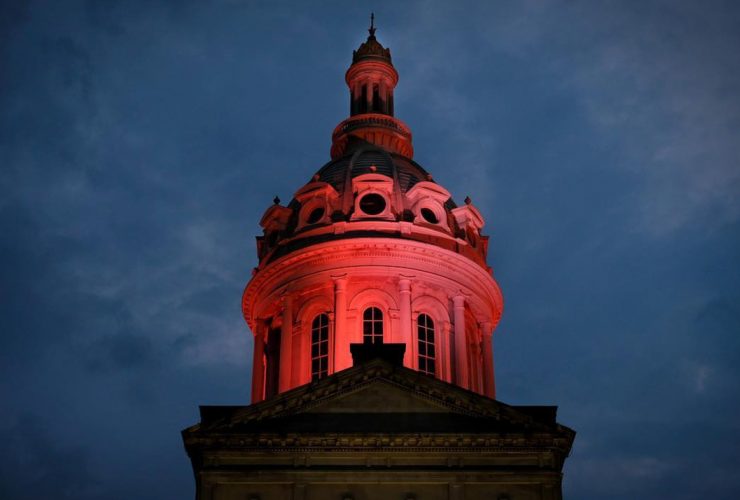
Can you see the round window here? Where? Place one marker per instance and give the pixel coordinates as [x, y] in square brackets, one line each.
[315, 215]
[372, 204]
[429, 215]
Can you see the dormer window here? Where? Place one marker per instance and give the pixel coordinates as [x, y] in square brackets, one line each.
[469, 219]
[427, 201]
[317, 200]
[315, 215]
[372, 197]
[372, 204]
[428, 215]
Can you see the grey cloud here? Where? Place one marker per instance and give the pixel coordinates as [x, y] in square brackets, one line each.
[121, 350]
[33, 465]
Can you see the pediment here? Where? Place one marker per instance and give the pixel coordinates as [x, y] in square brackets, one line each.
[378, 396]
[380, 389]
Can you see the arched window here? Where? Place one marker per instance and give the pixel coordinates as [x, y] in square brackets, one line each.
[320, 347]
[427, 352]
[372, 326]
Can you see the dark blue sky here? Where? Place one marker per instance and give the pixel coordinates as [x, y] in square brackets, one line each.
[140, 143]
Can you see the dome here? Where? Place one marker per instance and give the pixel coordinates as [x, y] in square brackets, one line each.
[371, 49]
[371, 192]
[371, 249]
[372, 187]
[369, 159]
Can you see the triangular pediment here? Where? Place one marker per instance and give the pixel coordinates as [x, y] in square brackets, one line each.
[375, 390]
[378, 396]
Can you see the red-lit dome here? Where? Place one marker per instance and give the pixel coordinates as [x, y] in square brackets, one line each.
[371, 249]
[413, 207]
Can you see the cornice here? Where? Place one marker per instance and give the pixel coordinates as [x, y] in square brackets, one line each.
[407, 254]
[378, 442]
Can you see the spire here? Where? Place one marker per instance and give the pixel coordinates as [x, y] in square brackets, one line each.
[372, 26]
[371, 49]
[371, 76]
[371, 79]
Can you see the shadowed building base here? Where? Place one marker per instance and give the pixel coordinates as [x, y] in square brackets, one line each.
[378, 431]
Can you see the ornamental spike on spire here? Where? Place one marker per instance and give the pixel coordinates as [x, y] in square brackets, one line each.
[372, 25]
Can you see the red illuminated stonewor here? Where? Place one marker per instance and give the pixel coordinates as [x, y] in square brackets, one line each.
[371, 249]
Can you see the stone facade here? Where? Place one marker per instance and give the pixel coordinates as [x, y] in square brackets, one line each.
[378, 431]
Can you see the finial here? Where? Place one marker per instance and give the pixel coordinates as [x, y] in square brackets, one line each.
[372, 24]
[468, 201]
[276, 200]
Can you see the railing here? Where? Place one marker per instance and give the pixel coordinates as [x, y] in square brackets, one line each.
[371, 120]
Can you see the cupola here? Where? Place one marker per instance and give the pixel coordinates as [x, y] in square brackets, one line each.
[371, 79]
[371, 250]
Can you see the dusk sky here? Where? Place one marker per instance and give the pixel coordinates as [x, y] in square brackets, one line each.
[140, 143]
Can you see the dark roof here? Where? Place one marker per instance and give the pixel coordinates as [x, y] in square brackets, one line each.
[371, 49]
[360, 161]
[348, 401]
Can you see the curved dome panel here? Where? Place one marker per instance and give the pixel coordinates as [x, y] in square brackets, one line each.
[372, 160]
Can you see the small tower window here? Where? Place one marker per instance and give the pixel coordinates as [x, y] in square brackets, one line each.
[372, 204]
[372, 326]
[320, 347]
[427, 354]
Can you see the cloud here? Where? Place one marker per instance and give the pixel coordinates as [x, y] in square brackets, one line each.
[664, 94]
[669, 90]
[120, 351]
[33, 465]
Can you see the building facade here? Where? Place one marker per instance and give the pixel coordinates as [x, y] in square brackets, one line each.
[373, 309]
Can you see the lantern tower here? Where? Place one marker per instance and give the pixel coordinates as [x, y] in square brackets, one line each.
[371, 250]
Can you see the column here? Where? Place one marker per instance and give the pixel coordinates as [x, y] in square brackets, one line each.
[258, 363]
[382, 89]
[447, 350]
[301, 354]
[474, 355]
[356, 97]
[488, 374]
[404, 290]
[461, 344]
[286, 344]
[342, 335]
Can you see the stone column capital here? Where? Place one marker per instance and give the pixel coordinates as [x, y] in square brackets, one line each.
[404, 284]
[458, 300]
[340, 282]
